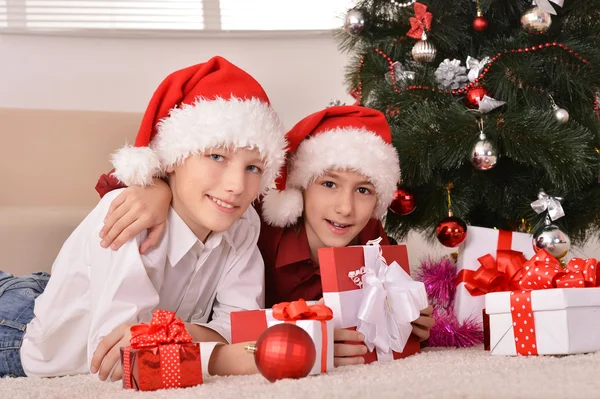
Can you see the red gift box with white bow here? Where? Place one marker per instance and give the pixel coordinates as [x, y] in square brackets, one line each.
[556, 311]
[161, 355]
[370, 290]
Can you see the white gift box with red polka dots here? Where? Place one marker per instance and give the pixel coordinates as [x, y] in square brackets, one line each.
[557, 321]
[479, 242]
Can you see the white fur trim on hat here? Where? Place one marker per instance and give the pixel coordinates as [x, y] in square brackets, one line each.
[237, 123]
[135, 166]
[341, 149]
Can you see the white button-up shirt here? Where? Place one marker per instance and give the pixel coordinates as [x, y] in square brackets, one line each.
[93, 290]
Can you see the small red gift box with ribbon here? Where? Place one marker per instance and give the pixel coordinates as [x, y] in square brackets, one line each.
[378, 300]
[316, 320]
[487, 261]
[554, 311]
[161, 355]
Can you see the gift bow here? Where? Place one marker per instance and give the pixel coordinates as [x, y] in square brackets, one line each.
[544, 271]
[494, 275]
[421, 22]
[391, 301]
[475, 66]
[300, 310]
[546, 6]
[164, 328]
[551, 204]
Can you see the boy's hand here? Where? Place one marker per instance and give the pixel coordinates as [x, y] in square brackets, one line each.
[108, 353]
[345, 353]
[133, 211]
[423, 324]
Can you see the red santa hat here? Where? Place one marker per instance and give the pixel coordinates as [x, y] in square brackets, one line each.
[343, 138]
[214, 104]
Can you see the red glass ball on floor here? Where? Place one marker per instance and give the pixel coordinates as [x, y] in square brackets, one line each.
[284, 351]
[403, 203]
[451, 231]
[480, 24]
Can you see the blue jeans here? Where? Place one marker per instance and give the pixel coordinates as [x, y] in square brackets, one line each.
[17, 297]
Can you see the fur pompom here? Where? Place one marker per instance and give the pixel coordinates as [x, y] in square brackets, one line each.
[282, 208]
[135, 166]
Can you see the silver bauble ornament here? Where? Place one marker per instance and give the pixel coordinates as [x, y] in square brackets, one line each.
[424, 50]
[555, 241]
[485, 155]
[355, 22]
[536, 21]
[561, 114]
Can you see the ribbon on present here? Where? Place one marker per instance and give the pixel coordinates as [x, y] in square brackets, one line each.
[290, 312]
[543, 271]
[475, 66]
[551, 204]
[421, 22]
[547, 6]
[166, 332]
[502, 273]
[391, 301]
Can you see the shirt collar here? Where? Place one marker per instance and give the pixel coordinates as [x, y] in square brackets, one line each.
[182, 239]
[293, 246]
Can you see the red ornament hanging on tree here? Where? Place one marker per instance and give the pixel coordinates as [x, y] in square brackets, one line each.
[284, 351]
[480, 23]
[451, 231]
[475, 95]
[403, 203]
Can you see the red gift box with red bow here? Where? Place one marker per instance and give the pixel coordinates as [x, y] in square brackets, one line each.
[554, 311]
[161, 355]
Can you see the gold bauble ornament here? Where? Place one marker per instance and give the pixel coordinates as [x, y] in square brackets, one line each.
[536, 21]
[424, 50]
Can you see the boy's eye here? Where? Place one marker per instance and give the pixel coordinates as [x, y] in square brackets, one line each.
[328, 184]
[364, 190]
[217, 157]
[254, 169]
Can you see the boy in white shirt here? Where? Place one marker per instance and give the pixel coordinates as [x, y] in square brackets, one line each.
[211, 131]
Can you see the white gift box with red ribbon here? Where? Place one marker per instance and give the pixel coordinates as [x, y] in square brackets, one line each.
[247, 326]
[481, 241]
[542, 320]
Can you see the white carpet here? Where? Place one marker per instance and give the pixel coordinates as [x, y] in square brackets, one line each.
[436, 373]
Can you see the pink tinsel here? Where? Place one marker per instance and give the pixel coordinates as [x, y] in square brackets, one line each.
[438, 277]
[448, 332]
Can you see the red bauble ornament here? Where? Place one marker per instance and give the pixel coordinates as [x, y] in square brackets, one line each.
[475, 95]
[480, 24]
[451, 231]
[403, 203]
[284, 351]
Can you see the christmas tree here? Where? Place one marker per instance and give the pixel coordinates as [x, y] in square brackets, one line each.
[489, 102]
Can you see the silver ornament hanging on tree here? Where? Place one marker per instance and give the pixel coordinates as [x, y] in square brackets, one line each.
[561, 114]
[354, 24]
[450, 75]
[484, 155]
[555, 241]
[536, 21]
[424, 51]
